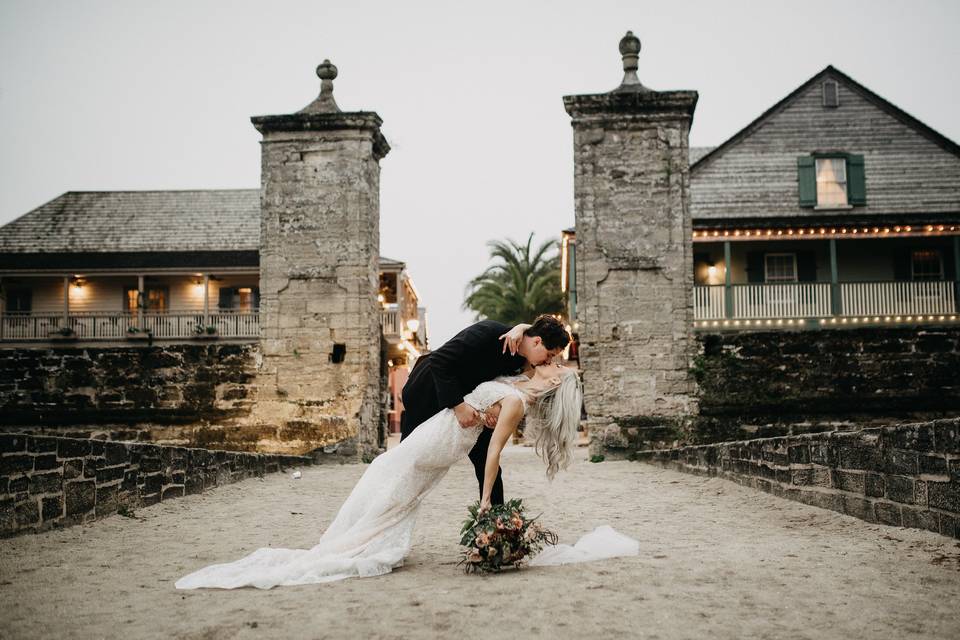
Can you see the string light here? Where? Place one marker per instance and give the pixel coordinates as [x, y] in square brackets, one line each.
[827, 231]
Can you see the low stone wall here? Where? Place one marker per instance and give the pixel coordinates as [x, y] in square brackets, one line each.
[50, 482]
[759, 384]
[907, 475]
[168, 384]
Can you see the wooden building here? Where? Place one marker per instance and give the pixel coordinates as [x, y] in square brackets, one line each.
[165, 266]
[834, 207]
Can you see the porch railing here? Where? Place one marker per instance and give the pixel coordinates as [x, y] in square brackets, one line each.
[897, 298]
[815, 300]
[17, 326]
[794, 300]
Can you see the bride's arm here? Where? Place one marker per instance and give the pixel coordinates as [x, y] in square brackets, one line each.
[511, 410]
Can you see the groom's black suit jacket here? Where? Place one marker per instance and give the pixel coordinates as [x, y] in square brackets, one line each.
[440, 379]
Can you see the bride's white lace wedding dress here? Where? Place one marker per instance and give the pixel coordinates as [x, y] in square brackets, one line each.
[371, 533]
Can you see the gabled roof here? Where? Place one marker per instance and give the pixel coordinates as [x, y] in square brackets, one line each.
[887, 106]
[138, 221]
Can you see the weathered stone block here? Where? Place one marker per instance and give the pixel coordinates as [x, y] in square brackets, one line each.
[888, 513]
[72, 448]
[27, 513]
[858, 508]
[12, 443]
[46, 483]
[935, 465]
[15, 464]
[80, 496]
[944, 495]
[919, 519]
[874, 485]
[51, 508]
[900, 462]
[900, 489]
[847, 480]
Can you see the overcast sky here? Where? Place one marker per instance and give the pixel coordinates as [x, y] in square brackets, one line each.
[158, 95]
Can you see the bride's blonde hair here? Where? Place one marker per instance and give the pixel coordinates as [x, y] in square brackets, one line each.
[553, 422]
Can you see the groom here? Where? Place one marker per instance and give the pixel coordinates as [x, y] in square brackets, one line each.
[442, 377]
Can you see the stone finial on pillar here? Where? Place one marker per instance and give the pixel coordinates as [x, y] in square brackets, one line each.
[630, 50]
[634, 273]
[324, 103]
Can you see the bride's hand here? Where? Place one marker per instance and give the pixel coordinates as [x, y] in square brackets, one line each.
[511, 339]
[491, 415]
[484, 506]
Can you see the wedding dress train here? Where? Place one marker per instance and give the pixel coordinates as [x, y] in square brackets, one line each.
[372, 532]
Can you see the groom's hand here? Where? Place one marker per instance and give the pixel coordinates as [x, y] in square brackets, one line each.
[467, 416]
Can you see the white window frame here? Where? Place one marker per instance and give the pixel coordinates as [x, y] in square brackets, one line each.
[766, 268]
[845, 183]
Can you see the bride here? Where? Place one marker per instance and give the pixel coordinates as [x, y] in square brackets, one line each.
[372, 532]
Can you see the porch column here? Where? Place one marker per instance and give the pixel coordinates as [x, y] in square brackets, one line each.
[834, 280]
[727, 282]
[140, 301]
[206, 301]
[66, 301]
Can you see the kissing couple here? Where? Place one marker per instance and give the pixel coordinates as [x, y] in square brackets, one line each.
[464, 399]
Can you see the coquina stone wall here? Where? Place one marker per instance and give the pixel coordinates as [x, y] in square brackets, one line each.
[906, 475]
[48, 482]
[189, 395]
[775, 383]
[126, 385]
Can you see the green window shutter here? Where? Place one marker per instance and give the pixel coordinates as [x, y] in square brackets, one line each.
[856, 180]
[807, 176]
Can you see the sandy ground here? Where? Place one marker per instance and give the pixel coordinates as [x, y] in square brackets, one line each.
[717, 561]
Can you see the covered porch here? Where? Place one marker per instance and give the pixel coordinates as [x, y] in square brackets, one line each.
[105, 306]
[829, 275]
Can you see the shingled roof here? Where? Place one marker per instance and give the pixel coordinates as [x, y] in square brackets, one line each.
[138, 221]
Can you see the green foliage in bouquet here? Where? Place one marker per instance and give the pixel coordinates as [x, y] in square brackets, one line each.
[501, 537]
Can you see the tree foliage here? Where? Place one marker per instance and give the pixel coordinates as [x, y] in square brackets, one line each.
[522, 282]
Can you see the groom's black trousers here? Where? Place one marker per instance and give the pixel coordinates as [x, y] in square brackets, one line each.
[420, 403]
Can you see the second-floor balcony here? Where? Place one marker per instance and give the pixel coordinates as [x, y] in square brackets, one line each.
[823, 303]
[113, 325]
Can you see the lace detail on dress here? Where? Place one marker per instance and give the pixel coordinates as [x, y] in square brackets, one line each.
[371, 533]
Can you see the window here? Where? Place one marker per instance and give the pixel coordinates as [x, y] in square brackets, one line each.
[239, 298]
[780, 267]
[831, 182]
[19, 301]
[926, 264]
[154, 299]
[831, 94]
[831, 179]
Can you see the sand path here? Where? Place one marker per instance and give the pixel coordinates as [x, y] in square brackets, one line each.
[717, 560]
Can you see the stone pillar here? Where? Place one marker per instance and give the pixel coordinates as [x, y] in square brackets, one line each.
[319, 379]
[634, 259]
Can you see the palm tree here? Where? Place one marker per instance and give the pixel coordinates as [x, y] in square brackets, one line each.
[520, 285]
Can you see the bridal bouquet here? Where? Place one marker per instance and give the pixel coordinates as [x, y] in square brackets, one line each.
[501, 537]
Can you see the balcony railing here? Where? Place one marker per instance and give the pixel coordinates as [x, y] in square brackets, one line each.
[114, 325]
[390, 321]
[714, 304]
